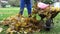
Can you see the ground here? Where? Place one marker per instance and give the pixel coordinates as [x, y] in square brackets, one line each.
[6, 12]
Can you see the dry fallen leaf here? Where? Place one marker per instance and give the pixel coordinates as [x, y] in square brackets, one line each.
[1, 29]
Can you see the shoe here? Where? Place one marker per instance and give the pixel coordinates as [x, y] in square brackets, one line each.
[29, 15]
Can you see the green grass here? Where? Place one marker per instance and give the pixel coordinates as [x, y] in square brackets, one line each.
[7, 12]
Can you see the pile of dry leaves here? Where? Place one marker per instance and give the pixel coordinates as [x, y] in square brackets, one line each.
[22, 24]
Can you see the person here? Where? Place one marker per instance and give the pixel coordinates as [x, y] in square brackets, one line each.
[28, 5]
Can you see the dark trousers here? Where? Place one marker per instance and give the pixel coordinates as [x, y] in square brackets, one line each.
[28, 5]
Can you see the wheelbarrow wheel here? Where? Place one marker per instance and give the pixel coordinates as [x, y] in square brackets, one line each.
[48, 25]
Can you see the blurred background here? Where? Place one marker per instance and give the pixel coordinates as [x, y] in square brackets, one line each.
[9, 3]
[16, 3]
[8, 8]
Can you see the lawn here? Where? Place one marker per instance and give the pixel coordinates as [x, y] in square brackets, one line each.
[7, 12]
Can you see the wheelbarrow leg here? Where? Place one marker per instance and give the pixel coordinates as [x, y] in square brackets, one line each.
[48, 25]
